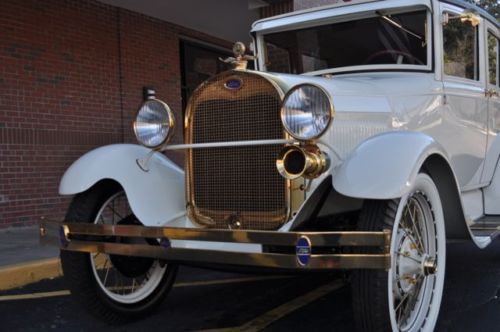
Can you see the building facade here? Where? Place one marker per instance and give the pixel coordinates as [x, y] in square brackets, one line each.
[72, 74]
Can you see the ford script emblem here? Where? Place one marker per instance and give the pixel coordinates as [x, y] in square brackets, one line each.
[233, 84]
[303, 250]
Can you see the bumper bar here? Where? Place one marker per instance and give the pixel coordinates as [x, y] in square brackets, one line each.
[84, 237]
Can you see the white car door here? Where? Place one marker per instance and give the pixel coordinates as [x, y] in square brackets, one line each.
[492, 94]
[464, 133]
[492, 45]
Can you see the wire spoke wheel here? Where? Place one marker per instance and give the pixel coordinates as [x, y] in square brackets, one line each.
[406, 298]
[115, 288]
[415, 259]
[124, 279]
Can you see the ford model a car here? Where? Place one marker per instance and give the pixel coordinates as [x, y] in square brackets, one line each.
[366, 138]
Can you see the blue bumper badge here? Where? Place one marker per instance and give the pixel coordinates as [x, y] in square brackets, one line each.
[303, 250]
[165, 243]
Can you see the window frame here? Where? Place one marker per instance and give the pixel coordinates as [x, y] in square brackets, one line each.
[447, 8]
[489, 28]
[260, 37]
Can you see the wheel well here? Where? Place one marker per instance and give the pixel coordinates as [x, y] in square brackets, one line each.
[99, 188]
[442, 175]
[109, 183]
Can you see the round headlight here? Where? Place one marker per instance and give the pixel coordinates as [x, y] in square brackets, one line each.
[307, 111]
[154, 123]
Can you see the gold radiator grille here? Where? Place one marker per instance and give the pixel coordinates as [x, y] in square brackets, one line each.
[229, 184]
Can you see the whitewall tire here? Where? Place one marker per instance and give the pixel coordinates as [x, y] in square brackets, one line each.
[113, 287]
[407, 297]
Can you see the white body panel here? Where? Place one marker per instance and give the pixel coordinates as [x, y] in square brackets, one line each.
[219, 246]
[155, 196]
[492, 195]
[472, 202]
[414, 102]
[385, 166]
[466, 105]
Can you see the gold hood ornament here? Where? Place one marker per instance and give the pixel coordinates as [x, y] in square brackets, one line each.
[240, 59]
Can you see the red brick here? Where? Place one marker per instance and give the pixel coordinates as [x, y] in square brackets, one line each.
[61, 94]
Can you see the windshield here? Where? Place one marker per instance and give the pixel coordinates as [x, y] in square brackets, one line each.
[398, 39]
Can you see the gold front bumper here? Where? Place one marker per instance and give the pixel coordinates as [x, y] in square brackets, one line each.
[83, 237]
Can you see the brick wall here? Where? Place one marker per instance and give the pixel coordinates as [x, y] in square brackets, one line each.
[71, 78]
[277, 8]
[306, 4]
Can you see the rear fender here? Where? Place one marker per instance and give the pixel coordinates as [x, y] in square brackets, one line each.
[155, 196]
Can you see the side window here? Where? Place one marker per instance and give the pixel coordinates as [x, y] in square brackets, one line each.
[493, 59]
[460, 46]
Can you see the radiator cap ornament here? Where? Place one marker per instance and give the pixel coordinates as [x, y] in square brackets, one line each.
[240, 59]
[239, 49]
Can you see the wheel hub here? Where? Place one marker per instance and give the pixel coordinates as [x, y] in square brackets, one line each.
[130, 266]
[429, 266]
[409, 264]
[412, 264]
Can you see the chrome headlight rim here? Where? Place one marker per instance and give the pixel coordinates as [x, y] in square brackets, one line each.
[331, 111]
[171, 124]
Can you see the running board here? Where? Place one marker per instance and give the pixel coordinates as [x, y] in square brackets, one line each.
[486, 229]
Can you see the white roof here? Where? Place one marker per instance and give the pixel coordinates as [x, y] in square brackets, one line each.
[320, 14]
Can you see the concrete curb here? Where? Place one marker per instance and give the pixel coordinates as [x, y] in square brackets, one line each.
[18, 275]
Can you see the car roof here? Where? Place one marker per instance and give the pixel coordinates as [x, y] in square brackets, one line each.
[325, 10]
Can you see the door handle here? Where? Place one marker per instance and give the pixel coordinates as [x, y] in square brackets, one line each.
[490, 93]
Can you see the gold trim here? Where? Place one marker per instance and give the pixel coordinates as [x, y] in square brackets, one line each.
[379, 239]
[263, 260]
[371, 260]
[171, 124]
[315, 162]
[332, 111]
[240, 59]
[291, 187]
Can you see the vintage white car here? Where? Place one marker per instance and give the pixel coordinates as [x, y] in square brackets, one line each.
[365, 140]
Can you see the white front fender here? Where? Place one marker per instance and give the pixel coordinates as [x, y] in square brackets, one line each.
[385, 166]
[155, 196]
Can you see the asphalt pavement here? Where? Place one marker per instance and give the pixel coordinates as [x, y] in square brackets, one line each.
[207, 300]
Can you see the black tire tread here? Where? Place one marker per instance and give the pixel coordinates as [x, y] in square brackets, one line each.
[79, 276]
[369, 287]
